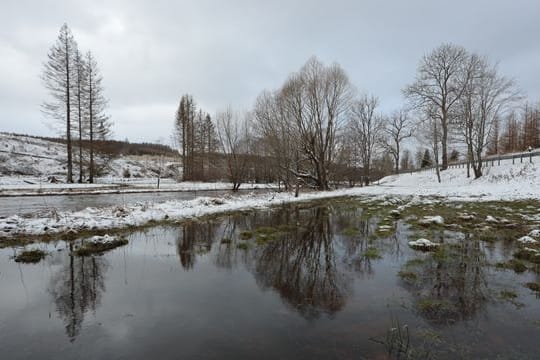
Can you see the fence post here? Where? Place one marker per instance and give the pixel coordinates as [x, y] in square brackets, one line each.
[521, 158]
[530, 157]
[513, 160]
[499, 160]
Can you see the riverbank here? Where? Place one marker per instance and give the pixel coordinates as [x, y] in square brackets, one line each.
[508, 183]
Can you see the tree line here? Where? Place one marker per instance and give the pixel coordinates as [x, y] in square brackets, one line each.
[317, 129]
[77, 102]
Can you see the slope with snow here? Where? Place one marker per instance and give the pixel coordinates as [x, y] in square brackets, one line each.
[24, 159]
[505, 182]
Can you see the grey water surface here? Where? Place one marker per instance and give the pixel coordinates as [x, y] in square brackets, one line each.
[286, 283]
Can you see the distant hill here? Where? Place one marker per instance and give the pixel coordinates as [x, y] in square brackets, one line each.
[25, 155]
[112, 147]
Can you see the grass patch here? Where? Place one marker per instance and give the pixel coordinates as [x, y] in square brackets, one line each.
[534, 286]
[351, 231]
[226, 241]
[30, 256]
[242, 246]
[528, 254]
[507, 295]
[266, 230]
[436, 309]
[513, 264]
[408, 276]
[372, 253]
[246, 235]
[92, 248]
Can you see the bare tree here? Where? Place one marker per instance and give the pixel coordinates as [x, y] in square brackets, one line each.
[57, 77]
[367, 128]
[80, 97]
[275, 129]
[233, 134]
[98, 121]
[397, 129]
[316, 101]
[487, 94]
[438, 87]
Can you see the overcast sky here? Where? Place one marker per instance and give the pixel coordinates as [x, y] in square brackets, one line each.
[227, 52]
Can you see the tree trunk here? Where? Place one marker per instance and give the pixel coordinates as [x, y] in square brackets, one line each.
[444, 140]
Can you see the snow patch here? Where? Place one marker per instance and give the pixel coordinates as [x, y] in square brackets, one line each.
[423, 244]
[491, 219]
[527, 240]
[427, 220]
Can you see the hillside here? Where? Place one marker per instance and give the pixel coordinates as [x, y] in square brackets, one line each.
[505, 182]
[28, 156]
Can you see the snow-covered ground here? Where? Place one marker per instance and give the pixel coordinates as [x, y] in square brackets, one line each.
[25, 159]
[505, 182]
[9, 187]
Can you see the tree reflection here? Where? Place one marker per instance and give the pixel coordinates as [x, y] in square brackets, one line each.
[301, 267]
[305, 257]
[194, 238]
[77, 289]
[451, 284]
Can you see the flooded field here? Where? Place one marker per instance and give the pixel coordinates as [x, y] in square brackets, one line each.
[335, 279]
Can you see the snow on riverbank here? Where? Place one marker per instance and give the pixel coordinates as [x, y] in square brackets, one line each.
[506, 182]
[509, 182]
[12, 186]
[116, 217]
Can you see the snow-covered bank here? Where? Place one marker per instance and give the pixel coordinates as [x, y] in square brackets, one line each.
[12, 186]
[505, 182]
[509, 182]
[117, 217]
[27, 158]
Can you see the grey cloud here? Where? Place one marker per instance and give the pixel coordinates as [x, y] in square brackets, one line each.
[226, 52]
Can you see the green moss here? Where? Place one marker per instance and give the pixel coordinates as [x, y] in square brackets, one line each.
[246, 234]
[30, 256]
[91, 248]
[408, 276]
[242, 246]
[436, 309]
[529, 255]
[372, 253]
[266, 230]
[351, 231]
[513, 264]
[507, 295]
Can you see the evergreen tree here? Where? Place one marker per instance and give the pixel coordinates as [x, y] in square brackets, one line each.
[426, 160]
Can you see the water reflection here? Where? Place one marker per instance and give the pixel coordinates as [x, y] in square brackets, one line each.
[318, 284]
[308, 264]
[302, 268]
[194, 239]
[77, 289]
[452, 283]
